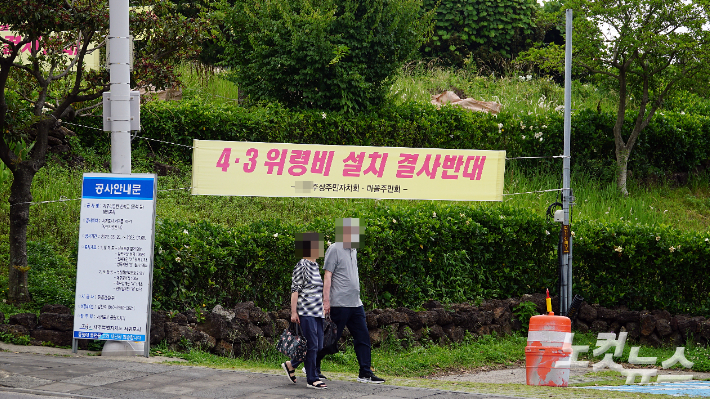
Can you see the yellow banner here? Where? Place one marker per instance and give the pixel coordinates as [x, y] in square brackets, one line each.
[306, 170]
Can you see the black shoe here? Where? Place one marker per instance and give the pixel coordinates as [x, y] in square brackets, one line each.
[369, 378]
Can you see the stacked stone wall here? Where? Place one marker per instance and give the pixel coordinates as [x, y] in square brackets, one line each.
[245, 328]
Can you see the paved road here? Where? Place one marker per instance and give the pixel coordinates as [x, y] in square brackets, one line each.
[25, 375]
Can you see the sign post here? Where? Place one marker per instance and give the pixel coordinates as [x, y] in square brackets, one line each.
[567, 198]
[115, 259]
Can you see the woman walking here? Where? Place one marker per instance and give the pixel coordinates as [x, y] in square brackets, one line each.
[307, 305]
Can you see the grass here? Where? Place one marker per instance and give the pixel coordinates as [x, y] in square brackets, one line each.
[517, 93]
[200, 81]
[57, 222]
[417, 81]
[430, 360]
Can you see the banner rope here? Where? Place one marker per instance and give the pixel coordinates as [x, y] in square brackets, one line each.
[533, 192]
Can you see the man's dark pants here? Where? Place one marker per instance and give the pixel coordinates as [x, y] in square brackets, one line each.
[354, 319]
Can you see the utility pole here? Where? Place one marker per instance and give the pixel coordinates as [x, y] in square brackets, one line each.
[567, 198]
[120, 94]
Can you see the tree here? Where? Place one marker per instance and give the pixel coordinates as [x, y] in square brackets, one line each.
[58, 36]
[326, 54]
[648, 48]
[482, 29]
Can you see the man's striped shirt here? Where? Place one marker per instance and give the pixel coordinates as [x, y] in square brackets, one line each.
[306, 280]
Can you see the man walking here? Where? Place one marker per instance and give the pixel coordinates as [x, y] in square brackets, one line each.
[341, 293]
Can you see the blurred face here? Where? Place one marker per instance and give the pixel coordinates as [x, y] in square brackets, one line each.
[348, 232]
[309, 245]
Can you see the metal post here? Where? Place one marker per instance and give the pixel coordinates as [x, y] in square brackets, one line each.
[120, 69]
[566, 277]
[120, 89]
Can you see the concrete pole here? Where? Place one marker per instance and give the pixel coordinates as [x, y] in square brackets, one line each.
[566, 275]
[120, 69]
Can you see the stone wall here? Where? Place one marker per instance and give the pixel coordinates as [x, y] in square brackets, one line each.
[245, 328]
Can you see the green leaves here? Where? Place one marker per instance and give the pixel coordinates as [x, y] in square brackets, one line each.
[465, 27]
[642, 267]
[410, 255]
[328, 55]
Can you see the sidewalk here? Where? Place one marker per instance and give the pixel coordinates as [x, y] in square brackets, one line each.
[57, 373]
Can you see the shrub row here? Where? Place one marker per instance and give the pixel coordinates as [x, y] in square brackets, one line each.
[449, 253]
[672, 143]
[434, 251]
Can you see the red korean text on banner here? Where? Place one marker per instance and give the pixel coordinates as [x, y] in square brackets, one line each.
[451, 162]
[299, 161]
[252, 153]
[276, 159]
[476, 169]
[407, 163]
[430, 170]
[353, 164]
[321, 162]
[223, 161]
[373, 168]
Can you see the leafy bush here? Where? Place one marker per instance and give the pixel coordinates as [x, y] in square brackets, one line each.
[14, 339]
[524, 311]
[451, 253]
[330, 55]
[51, 278]
[484, 28]
[642, 267]
[441, 251]
[674, 142]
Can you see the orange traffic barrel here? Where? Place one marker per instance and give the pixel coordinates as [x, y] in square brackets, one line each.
[547, 355]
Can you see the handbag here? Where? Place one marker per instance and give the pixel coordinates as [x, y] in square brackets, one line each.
[292, 343]
[330, 337]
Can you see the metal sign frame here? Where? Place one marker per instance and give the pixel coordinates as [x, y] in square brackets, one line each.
[108, 201]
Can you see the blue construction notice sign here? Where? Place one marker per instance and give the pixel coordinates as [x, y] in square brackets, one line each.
[115, 260]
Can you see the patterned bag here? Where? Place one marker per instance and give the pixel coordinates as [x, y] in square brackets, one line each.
[292, 343]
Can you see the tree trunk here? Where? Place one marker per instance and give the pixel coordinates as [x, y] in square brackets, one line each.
[622, 164]
[24, 168]
[20, 196]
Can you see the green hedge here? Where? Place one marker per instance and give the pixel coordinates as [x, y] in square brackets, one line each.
[672, 143]
[451, 253]
[642, 267]
[51, 278]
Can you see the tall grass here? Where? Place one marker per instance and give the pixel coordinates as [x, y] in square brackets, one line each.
[417, 81]
[208, 83]
[517, 93]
